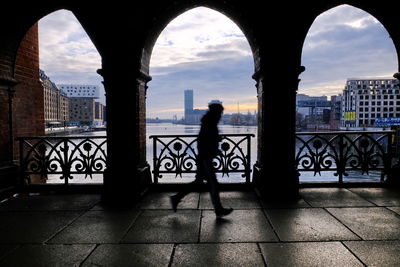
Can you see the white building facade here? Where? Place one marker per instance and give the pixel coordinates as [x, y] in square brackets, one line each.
[80, 90]
[366, 103]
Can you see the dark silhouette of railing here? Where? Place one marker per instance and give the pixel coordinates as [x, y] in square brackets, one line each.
[177, 154]
[66, 156]
[344, 151]
[316, 152]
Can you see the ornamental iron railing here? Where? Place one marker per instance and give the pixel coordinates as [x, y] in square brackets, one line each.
[67, 156]
[345, 151]
[177, 154]
[338, 152]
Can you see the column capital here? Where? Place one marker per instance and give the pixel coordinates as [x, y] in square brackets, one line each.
[397, 75]
[7, 82]
[140, 75]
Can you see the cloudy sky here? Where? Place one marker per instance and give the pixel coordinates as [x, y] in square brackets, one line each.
[205, 51]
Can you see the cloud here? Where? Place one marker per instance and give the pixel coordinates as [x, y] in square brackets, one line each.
[67, 55]
[345, 42]
[193, 35]
[205, 51]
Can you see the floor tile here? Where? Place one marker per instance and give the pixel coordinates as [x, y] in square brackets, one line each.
[289, 204]
[160, 200]
[137, 255]
[47, 255]
[310, 224]
[379, 196]
[239, 226]
[308, 254]
[375, 223]
[32, 227]
[333, 197]
[51, 203]
[97, 227]
[6, 249]
[236, 200]
[395, 209]
[224, 254]
[376, 253]
[165, 226]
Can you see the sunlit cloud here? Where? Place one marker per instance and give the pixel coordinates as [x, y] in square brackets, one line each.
[199, 35]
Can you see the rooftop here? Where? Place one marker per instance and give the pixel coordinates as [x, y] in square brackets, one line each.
[326, 227]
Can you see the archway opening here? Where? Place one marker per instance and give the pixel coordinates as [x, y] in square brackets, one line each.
[201, 56]
[348, 85]
[69, 101]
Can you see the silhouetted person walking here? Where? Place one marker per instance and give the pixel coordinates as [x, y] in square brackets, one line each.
[207, 146]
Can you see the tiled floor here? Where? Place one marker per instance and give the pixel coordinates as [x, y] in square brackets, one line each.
[327, 227]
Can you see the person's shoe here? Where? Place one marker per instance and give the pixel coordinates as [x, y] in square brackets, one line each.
[223, 212]
[174, 202]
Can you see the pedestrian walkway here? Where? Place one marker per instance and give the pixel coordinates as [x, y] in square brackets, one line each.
[326, 227]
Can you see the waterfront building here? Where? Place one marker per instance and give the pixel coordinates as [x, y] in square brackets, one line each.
[99, 113]
[311, 105]
[369, 102]
[83, 108]
[56, 102]
[314, 112]
[83, 111]
[336, 112]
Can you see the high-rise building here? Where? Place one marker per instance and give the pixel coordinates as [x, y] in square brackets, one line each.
[188, 105]
[370, 103]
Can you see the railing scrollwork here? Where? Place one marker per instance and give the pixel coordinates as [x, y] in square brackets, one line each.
[344, 151]
[61, 155]
[177, 154]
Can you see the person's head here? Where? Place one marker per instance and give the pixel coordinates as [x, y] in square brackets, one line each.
[216, 110]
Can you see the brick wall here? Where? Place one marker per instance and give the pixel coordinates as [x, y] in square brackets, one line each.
[28, 105]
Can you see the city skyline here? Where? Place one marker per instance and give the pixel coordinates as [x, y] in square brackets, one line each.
[204, 50]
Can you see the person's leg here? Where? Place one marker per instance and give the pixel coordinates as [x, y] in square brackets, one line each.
[186, 189]
[213, 186]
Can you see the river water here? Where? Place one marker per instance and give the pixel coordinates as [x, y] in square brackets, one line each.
[176, 129]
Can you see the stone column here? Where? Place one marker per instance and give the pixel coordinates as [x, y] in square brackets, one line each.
[127, 172]
[275, 174]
